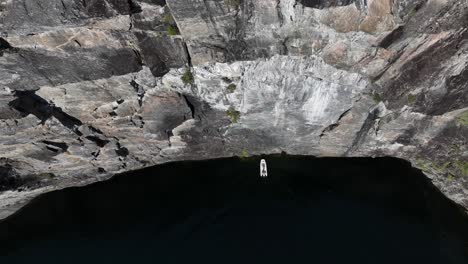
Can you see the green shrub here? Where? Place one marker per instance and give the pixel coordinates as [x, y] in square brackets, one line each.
[376, 97]
[455, 167]
[46, 175]
[231, 88]
[233, 3]
[429, 166]
[462, 167]
[424, 164]
[172, 30]
[411, 99]
[462, 119]
[244, 154]
[168, 18]
[233, 114]
[187, 77]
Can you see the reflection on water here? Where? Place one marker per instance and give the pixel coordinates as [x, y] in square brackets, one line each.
[221, 211]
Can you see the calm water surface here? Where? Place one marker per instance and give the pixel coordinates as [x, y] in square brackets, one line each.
[307, 211]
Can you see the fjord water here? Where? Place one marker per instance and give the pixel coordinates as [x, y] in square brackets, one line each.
[308, 210]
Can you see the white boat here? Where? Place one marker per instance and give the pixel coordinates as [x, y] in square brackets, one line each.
[263, 168]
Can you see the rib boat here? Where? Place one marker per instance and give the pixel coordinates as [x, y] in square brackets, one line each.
[263, 168]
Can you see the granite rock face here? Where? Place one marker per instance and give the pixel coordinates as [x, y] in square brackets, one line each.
[89, 89]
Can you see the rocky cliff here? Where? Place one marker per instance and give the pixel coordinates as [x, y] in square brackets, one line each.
[91, 88]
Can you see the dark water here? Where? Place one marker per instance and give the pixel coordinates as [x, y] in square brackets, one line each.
[307, 211]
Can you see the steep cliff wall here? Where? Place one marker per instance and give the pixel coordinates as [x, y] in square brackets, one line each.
[97, 87]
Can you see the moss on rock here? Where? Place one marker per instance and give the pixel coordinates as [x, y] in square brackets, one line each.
[462, 119]
[233, 114]
[231, 88]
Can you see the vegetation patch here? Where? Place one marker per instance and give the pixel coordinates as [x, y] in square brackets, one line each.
[231, 88]
[233, 3]
[376, 97]
[244, 154]
[462, 167]
[462, 119]
[168, 18]
[424, 165]
[449, 168]
[187, 77]
[46, 175]
[233, 114]
[172, 30]
[411, 99]
[412, 13]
